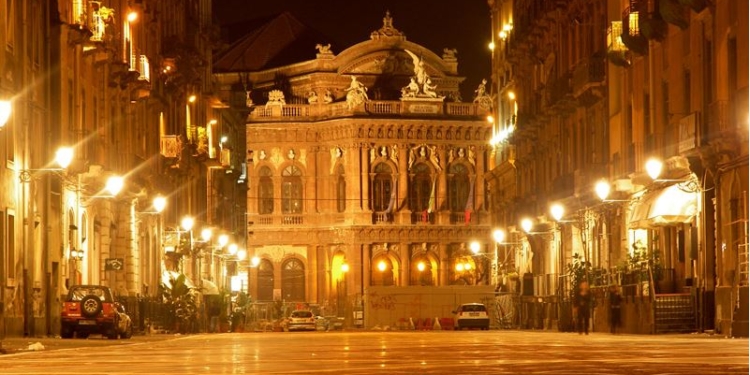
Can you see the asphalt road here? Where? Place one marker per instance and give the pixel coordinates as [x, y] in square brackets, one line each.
[440, 352]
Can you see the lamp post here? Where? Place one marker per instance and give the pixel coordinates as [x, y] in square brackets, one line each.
[187, 226]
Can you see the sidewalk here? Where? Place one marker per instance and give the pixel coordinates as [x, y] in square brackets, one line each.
[11, 345]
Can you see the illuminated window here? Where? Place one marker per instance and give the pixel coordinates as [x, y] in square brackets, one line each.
[291, 190]
[382, 187]
[265, 191]
[420, 188]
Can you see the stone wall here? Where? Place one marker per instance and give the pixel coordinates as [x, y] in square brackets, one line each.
[386, 306]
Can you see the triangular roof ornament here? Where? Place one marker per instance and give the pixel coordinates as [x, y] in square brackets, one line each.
[387, 31]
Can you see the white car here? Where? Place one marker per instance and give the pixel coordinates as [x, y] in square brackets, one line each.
[472, 315]
[302, 320]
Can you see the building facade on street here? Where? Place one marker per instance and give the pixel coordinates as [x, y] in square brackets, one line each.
[128, 90]
[363, 167]
[630, 119]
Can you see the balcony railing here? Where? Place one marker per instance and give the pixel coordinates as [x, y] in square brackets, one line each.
[382, 218]
[588, 74]
[340, 109]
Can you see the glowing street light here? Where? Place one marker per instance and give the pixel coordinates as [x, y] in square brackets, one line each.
[653, 168]
[223, 240]
[526, 225]
[5, 110]
[114, 185]
[382, 266]
[602, 189]
[63, 156]
[474, 247]
[344, 267]
[159, 203]
[241, 254]
[421, 266]
[232, 249]
[254, 262]
[498, 235]
[557, 211]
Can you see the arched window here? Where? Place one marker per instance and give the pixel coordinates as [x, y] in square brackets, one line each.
[291, 190]
[421, 271]
[265, 280]
[265, 191]
[293, 280]
[382, 272]
[382, 187]
[420, 188]
[340, 189]
[458, 187]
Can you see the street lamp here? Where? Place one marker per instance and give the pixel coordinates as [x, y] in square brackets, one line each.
[602, 189]
[527, 224]
[5, 110]
[159, 204]
[653, 168]
[63, 158]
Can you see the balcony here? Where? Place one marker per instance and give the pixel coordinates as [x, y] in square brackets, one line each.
[559, 93]
[588, 80]
[314, 112]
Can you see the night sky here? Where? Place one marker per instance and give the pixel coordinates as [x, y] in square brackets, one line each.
[435, 24]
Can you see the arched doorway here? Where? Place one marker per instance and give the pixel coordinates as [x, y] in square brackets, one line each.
[383, 271]
[293, 280]
[265, 280]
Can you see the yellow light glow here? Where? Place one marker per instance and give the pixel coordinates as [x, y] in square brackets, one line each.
[223, 240]
[490, 119]
[187, 223]
[381, 266]
[526, 225]
[345, 267]
[5, 110]
[653, 168]
[132, 16]
[498, 235]
[492, 46]
[64, 156]
[557, 211]
[503, 35]
[159, 203]
[191, 98]
[114, 184]
[474, 246]
[602, 189]
[511, 95]
[459, 267]
[420, 266]
[206, 234]
[467, 266]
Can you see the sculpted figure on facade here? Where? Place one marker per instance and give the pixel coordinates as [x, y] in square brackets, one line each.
[394, 153]
[435, 157]
[356, 93]
[275, 97]
[328, 97]
[411, 90]
[324, 50]
[312, 97]
[482, 97]
[449, 54]
[429, 88]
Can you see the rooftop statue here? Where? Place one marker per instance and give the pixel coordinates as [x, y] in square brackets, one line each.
[482, 96]
[356, 93]
[421, 85]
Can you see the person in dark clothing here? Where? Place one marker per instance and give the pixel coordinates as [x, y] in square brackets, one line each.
[582, 304]
[615, 301]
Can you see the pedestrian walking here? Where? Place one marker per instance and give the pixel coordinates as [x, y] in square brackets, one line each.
[615, 301]
[582, 304]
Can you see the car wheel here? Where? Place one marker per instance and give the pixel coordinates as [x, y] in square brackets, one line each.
[91, 306]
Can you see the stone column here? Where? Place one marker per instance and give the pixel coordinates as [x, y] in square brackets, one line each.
[479, 187]
[311, 183]
[358, 161]
[444, 265]
[404, 253]
[312, 274]
[366, 265]
[132, 266]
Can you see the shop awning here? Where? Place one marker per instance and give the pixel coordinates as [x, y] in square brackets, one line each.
[670, 205]
[209, 288]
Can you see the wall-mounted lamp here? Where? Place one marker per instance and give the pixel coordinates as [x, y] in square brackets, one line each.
[76, 254]
[5, 110]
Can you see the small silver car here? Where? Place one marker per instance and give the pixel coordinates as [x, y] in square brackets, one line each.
[472, 315]
[302, 320]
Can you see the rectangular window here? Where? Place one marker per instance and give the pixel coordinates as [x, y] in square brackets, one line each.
[10, 25]
[11, 249]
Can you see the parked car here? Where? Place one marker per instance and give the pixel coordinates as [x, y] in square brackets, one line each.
[472, 315]
[91, 309]
[302, 320]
